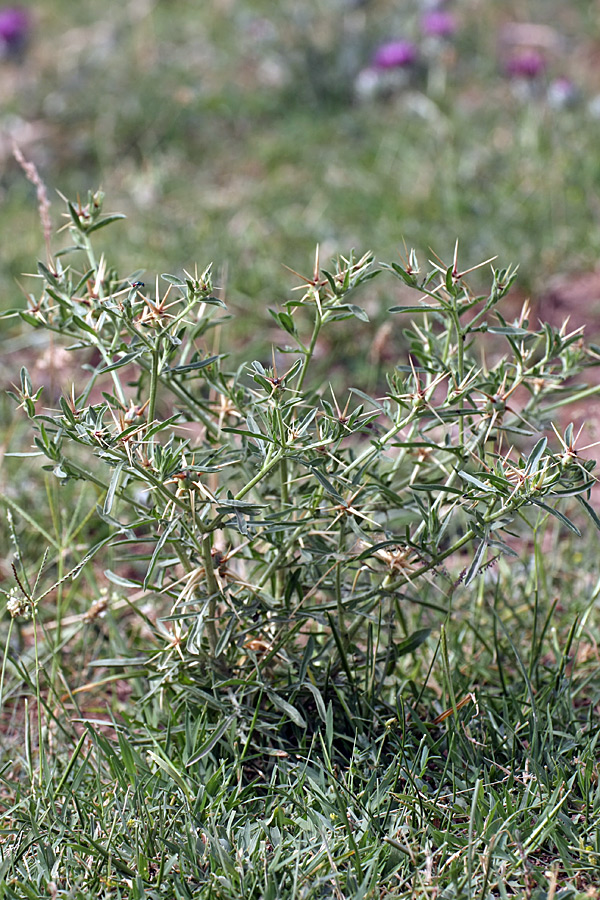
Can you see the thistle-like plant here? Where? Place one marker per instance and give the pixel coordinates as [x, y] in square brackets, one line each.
[286, 526]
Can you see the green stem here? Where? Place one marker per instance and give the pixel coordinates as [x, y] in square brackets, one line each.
[572, 398]
[214, 592]
[169, 382]
[153, 381]
[402, 454]
[372, 450]
[460, 351]
[311, 349]
[60, 571]
[478, 441]
[283, 467]
[266, 468]
[277, 561]
[38, 694]
[285, 499]
[396, 585]
[5, 659]
[184, 395]
[338, 589]
[89, 250]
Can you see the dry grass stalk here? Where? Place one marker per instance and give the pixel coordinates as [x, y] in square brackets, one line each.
[34, 177]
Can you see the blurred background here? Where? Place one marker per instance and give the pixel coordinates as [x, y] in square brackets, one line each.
[244, 132]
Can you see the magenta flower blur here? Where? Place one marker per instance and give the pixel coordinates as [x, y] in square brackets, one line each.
[527, 64]
[394, 55]
[438, 23]
[14, 27]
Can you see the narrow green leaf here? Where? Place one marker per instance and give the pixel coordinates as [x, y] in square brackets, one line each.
[290, 711]
[590, 511]
[212, 741]
[437, 487]
[167, 766]
[472, 480]
[412, 642]
[123, 662]
[127, 756]
[258, 436]
[107, 220]
[124, 360]
[120, 581]
[191, 367]
[358, 312]
[26, 454]
[84, 278]
[413, 309]
[157, 550]
[31, 320]
[48, 275]
[318, 699]
[70, 764]
[112, 487]
[329, 726]
[511, 330]
[120, 527]
[408, 277]
[473, 569]
[232, 503]
[558, 515]
[75, 218]
[285, 320]
[533, 460]
[366, 397]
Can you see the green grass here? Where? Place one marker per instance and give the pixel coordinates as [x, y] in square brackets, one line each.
[123, 775]
[172, 112]
[202, 798]
[129, 779]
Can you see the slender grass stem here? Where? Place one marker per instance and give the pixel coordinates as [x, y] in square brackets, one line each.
[460, 367]
[5, 658]
[154, 369]
[214, 593]
[339, 587]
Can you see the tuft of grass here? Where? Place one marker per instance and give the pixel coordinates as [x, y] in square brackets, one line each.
[498, 798]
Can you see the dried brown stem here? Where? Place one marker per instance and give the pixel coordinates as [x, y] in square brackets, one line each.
[34, 177]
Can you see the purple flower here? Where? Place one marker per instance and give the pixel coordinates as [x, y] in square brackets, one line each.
[527, 64]
[14, 28]
[394, 55]
[438, 23]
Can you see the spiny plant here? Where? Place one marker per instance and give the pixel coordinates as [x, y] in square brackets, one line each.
[285, 528]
